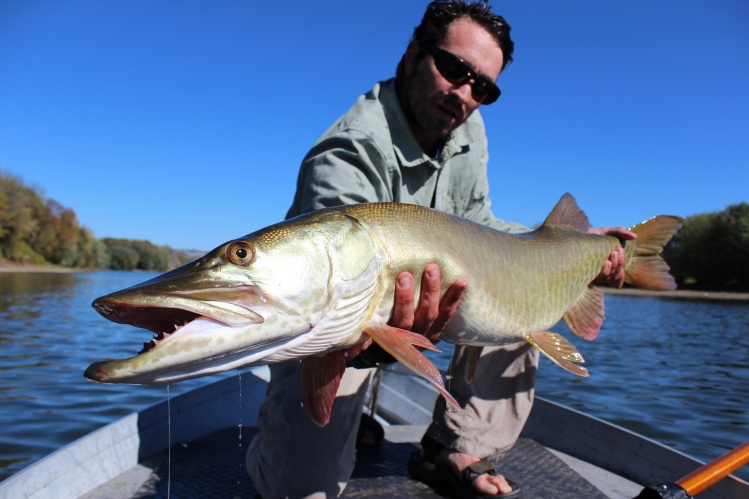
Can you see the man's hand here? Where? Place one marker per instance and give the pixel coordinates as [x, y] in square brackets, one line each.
[433, 310]
[612, 271]
[430, 316]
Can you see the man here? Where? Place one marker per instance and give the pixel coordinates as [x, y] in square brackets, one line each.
[415, 139]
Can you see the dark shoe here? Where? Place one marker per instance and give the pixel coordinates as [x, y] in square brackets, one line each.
[421, 466]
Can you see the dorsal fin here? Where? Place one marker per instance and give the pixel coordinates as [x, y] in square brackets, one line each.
[568, 213]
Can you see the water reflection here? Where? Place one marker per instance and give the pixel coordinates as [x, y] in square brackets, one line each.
[29, 291]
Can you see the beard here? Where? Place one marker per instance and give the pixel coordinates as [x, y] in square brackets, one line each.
[432, 113]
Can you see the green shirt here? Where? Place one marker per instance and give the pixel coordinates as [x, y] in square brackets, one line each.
[370, 155]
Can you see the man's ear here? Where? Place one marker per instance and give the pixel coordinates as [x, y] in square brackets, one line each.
[411, 58]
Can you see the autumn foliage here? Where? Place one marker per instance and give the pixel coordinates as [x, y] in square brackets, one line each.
[34, 230]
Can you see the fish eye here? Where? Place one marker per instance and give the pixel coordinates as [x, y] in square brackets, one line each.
[240, 253]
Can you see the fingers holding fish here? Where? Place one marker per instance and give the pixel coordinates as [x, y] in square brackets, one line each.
[612, 271]
[402, 315]
[448, 307]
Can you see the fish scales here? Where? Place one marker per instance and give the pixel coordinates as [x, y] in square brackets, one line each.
[507, 297]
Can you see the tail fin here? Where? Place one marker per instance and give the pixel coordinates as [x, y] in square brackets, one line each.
[645, 268]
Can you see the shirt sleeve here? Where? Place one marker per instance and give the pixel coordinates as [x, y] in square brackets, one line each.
[344, 168]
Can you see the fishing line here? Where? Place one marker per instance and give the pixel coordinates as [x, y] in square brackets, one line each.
[169, 441]
[449, 374]
[239, 475]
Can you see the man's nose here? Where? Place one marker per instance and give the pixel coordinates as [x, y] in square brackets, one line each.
[464, 92]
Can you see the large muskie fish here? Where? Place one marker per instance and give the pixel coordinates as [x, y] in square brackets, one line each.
[312, 286]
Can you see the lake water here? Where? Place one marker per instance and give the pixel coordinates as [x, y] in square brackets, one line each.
[674, 370]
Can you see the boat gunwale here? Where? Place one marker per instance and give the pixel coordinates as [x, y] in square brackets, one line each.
[112, 450]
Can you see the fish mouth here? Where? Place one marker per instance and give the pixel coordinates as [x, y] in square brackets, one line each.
[162, 322]
[200, 347]
[197, 326]
[165, 321]
[185, 345]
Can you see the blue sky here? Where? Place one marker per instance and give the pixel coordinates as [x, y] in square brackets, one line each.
[184, 122]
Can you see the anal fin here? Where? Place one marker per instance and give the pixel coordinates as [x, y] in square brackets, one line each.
[400, 344]
[560, 351]
[586, 315]
[319, 378]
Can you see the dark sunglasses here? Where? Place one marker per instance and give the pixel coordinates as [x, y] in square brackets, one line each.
[458, 72]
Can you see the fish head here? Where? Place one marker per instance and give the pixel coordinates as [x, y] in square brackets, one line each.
[241, 304]
[232, 307]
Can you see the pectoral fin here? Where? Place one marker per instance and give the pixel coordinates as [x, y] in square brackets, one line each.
[319, 378]
[560, 351]
[586, 315]
[400, 344]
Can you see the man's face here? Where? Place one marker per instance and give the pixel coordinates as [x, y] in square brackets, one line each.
[438, 106]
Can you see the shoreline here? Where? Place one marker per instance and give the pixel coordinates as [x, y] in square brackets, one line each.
[687, 294]
[17, 267]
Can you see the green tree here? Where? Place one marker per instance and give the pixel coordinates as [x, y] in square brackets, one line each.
[152, 257]
[709, 251]
[17, 219]
[123, 258]
[3, 215]
[686, 253]
[729, 246]
[92, 253]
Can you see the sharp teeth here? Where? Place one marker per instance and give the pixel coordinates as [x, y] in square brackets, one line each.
[146, 347]
[159, 337]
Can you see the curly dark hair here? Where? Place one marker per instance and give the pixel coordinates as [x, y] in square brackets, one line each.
[441, 13]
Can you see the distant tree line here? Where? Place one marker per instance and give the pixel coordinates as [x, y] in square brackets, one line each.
[34, 230]
[711, 251]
